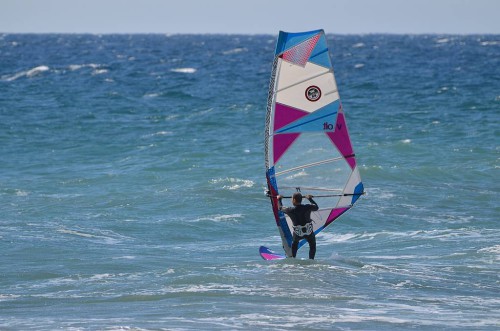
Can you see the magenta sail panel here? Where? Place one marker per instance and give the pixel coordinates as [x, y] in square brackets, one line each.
[340, 137]
[282, 142]
[335, 214]
[284, 115]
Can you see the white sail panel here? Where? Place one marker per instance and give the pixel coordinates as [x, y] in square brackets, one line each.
[294, 80]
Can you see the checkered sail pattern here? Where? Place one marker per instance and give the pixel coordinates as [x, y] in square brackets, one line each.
[300, 54]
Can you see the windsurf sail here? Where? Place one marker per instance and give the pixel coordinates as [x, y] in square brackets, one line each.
[307, 145]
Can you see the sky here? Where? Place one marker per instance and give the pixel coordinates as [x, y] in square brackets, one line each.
[250, 16]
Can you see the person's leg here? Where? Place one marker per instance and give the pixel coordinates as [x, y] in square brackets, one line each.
[311, 239]
[295, 245]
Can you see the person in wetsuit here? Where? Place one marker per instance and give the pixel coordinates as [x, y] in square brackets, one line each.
[301, 219]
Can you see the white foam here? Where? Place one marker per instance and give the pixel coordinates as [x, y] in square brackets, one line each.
[392, 257]
[302, 173]
[76, 233]
[108, 237]
[163, 133]
[233, 183]
[27, 73]
[442, 41]
[99, 71]
[126, 257]
[493, 249]
[100, 276]
[6, 297]
[489, 43]
[74, 67]
[21, 193]
[220, 218]
[235, 51]
[98, 68]
[36, 71]
[329, 237]
[184, 70]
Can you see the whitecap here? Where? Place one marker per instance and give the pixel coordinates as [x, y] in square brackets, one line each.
[302, 173]
[26, 73]
[108, 237]
[99, 71]
[493, 249]
[125, 257]
[358, 45]
[163, 133]
[235, 51]
[184, 70]
[328, 237]
[442, 41]
[74, 67]
[442, 89]
[6, 297]
[359, 65]
[489, 43]
[37, 70]
[159, 133]
[233, 183]
[220, 218]
[76, 233]
[21, 193]
[97, 68]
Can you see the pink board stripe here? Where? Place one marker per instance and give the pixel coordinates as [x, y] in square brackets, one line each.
[272, 256]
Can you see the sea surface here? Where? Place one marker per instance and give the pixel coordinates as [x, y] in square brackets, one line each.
[132, 186]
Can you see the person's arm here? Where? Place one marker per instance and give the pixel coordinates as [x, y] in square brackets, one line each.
[280, 204]
[314, 205]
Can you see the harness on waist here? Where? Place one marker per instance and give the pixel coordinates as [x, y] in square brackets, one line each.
[303, 230]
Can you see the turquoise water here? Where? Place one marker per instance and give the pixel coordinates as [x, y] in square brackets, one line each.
[132, 186]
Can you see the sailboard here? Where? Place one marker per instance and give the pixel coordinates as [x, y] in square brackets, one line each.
[268, 254]
[307, 144]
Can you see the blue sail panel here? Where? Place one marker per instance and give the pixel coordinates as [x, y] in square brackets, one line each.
[320, 55]
[287, 40]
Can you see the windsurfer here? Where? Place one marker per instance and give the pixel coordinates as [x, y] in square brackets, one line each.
[301, 217]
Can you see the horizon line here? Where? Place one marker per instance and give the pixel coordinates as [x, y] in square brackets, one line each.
[253, 34]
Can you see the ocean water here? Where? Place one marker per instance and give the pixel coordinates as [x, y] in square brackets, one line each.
[132, 186]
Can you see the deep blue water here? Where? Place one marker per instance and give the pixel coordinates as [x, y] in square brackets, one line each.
[132, 186]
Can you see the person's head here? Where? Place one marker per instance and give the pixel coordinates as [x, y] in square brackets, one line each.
[297, 198]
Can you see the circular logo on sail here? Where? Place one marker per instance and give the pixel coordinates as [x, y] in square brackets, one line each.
[313, 93]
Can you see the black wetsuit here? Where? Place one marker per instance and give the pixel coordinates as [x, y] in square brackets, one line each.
[301, 215]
